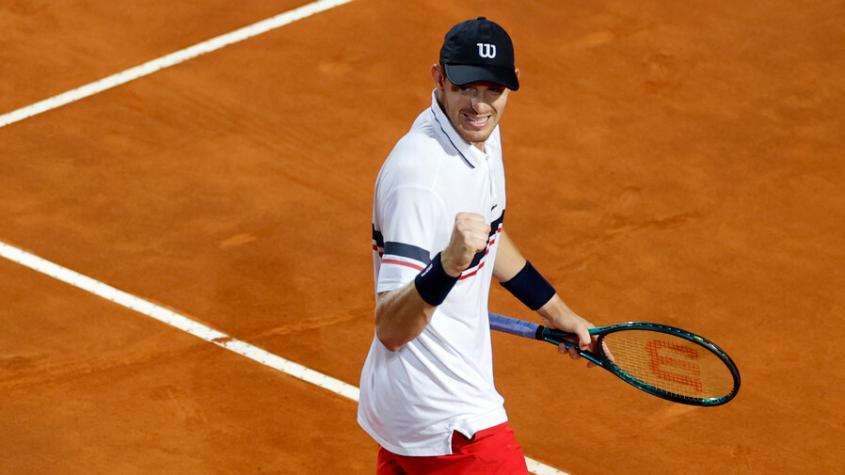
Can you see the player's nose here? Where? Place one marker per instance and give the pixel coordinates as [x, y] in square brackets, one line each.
[479, 104]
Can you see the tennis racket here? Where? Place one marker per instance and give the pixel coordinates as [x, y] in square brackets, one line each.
[664, 361]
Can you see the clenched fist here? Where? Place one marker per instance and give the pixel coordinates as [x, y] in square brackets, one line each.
[469, 236]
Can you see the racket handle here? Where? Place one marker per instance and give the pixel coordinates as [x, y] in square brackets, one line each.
[514, 326]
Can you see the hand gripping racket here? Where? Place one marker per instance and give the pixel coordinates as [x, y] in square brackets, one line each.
[664, 361]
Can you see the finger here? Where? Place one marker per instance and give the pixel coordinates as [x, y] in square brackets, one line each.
[479, 241]
[474, 237]
[481, 230]
[585, 340]
[565, 350]
[471, 221]
[607, 352]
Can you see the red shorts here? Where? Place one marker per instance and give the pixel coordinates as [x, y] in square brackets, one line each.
[490, 451]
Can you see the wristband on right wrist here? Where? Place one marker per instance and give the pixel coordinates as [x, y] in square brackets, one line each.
[433, 283]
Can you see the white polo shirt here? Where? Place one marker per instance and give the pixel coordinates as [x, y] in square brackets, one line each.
[413, 399]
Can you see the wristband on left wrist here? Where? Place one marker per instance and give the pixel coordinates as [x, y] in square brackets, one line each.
[530, 287]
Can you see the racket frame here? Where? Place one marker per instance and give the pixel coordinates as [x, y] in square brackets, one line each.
[600, 358]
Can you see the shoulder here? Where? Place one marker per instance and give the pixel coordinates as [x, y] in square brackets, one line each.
[422, 140]
[415, 159]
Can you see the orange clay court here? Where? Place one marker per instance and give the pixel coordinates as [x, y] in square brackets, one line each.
[678, 162]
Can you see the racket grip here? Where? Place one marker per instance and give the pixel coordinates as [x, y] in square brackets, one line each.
[514, 326]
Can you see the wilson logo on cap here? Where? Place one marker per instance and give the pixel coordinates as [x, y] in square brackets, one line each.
[486, 50]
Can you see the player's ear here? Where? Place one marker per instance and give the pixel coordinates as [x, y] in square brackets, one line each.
[516, 70]
[437, 76]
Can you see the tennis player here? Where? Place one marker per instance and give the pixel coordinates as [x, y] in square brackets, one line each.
[427, 391]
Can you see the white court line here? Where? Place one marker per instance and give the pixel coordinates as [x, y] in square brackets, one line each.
[146, 307]
[171, 59]
[176, 320]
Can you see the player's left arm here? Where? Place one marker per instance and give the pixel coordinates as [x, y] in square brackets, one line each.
[519, 277]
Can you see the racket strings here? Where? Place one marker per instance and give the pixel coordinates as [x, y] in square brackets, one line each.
[670, 363]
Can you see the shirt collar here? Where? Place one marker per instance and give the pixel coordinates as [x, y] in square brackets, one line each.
[470, 153]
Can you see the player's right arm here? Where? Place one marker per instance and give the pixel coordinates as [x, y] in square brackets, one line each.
[402, 314]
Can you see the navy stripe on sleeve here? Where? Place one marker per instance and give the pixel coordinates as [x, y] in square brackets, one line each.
[378, 238]
[407, 250]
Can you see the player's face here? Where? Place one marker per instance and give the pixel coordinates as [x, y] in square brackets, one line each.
[474, 109]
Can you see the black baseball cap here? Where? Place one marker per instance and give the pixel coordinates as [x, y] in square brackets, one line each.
[479, 50]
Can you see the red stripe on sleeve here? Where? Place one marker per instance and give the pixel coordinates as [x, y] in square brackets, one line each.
[402, 263]
[467, 276]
